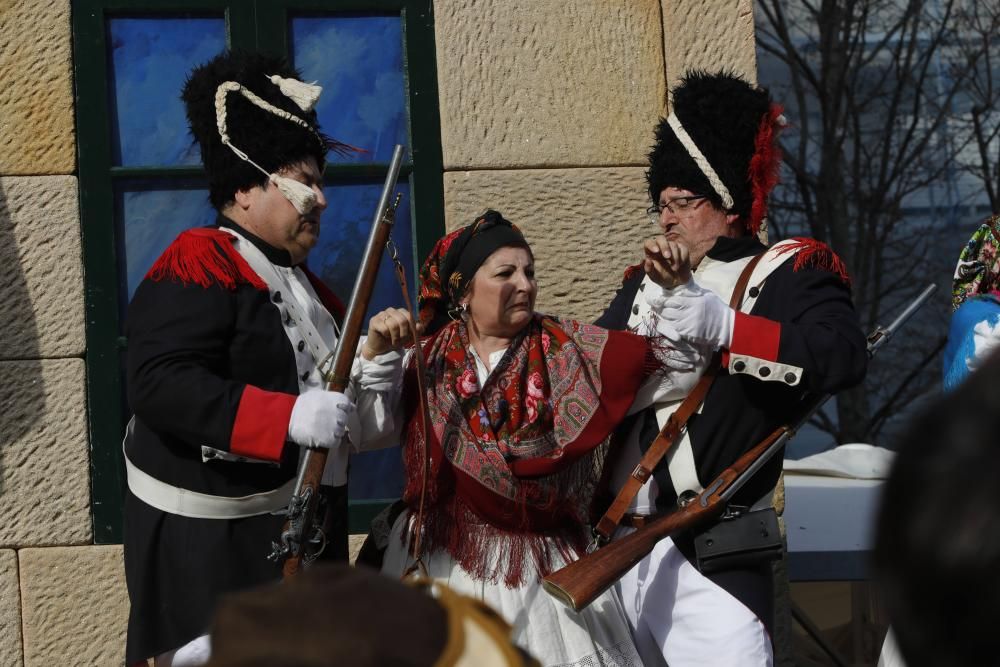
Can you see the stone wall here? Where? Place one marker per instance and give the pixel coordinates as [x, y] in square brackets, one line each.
[547, 110]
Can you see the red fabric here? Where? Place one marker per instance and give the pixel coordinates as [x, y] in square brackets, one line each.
[512, 462]
[817, 255]
[765, 166]
[756, 337]
[631, 272]
[624, 365]
[261, 425]
[330, 301]
[204, 257]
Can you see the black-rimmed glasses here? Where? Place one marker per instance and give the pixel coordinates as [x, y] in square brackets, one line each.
[675, 205]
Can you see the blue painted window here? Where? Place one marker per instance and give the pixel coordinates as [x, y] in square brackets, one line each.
[359, 61]
[148, 61]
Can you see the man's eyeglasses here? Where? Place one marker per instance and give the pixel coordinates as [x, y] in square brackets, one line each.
[677, 206]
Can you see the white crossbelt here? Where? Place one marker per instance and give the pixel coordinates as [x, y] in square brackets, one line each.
[265, 269]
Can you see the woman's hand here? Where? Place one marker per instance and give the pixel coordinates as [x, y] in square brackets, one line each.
[389, 330]
[667, 263]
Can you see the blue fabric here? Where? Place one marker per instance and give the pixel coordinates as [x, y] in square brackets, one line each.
[961, 347]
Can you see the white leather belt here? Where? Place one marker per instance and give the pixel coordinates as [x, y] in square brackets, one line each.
[194, 505]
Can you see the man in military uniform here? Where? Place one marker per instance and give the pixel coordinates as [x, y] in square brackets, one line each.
[794, 331]
[225, 336]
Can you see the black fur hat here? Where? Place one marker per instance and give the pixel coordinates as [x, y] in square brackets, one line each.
[269, 140]
[735, 126]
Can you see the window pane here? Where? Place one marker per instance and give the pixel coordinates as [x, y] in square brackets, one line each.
[376, 475]
[336, 259]
[149, 219]
[149, 61]
[359, 62]
[344, 234]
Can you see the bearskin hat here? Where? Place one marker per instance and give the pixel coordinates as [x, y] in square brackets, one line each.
[272, 141]
[735, 127]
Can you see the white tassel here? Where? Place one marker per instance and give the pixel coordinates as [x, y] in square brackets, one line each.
[303, 94]
[302, 197]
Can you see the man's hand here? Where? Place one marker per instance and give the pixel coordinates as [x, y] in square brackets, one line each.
[667, 263]
[319, 419]
[695, 315]
[389, 330]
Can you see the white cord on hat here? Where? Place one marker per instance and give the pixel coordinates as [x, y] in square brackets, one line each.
[305, 95]
[301, 196]
[700, 160]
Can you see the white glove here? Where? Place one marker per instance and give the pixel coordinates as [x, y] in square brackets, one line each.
[692, 314]
[319, 418]
[985, 338]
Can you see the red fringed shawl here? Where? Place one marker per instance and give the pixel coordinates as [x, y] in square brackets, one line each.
[514, 463]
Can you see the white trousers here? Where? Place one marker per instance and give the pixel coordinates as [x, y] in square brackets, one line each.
[681, 618]
[890, 655]
[193, 654]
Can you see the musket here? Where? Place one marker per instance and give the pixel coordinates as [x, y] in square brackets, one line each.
[300, 534]
[577, 584]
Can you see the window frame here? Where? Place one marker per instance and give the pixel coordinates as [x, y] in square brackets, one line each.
[249, 25]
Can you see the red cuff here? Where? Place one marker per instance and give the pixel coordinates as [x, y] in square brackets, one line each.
[261, 425]
[756, 337]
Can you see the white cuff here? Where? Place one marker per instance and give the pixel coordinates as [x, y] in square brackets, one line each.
[383, 373]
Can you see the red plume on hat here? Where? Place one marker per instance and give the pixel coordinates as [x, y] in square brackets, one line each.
[765, 165]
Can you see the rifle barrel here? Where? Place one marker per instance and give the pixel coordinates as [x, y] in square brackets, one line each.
[302, 507]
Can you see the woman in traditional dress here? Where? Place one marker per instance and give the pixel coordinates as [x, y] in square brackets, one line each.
[975, 325]
[521, 407]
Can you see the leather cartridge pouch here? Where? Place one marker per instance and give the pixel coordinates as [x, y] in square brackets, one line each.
[739, 540]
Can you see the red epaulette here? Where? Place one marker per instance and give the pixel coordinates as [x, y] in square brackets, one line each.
[204, 256]
[631, 272]
[816, 255]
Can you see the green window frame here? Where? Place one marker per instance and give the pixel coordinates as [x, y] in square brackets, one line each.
[249, 25]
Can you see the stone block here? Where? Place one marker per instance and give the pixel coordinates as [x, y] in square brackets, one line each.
[41, 269]
[75, 605]
[44, 462]
[528, 83]
[10, 610]
[710, 36]
[584, 225]
[36, 99]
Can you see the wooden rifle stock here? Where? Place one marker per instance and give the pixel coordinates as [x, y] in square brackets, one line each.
[298, 531]
[579, 583]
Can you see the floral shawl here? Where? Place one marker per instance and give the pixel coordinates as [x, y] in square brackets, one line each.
[978, 268]
[514, 464]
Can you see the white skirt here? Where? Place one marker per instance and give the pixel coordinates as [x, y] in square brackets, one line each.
[551, 632]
